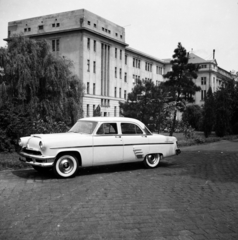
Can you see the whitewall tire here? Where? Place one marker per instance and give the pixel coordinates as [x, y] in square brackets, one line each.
[152, 160]
[66, 166]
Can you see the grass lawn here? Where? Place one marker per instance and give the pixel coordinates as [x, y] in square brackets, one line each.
[10, 160]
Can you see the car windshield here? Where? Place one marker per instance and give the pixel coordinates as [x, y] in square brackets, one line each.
[85, 127]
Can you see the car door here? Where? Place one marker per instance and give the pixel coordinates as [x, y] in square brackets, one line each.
[135, 142]
[107, 145]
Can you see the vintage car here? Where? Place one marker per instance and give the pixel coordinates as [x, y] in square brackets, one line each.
[96, 141]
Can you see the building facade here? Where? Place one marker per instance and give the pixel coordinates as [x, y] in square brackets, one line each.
[102, 59]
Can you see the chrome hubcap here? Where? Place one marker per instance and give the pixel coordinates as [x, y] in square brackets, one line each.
[153, 159]
[66, 165]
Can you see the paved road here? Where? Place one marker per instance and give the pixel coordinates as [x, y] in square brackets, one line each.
[190, 196]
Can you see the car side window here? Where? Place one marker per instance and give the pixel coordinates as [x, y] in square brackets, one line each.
[129, 128]
[107, 128]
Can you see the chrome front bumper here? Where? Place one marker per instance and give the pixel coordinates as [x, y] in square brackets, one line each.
[35, 160]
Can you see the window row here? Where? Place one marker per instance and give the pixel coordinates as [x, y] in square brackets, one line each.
[136, 79]
[136, 63]
[203, 80]
[94, 44]
[159, 70]
[148, 67]
[105, 103]
[202, 66]
[120, 53]
[94, 66]
[88, 88]
[104, 29]
[89, 23]
[120, 93]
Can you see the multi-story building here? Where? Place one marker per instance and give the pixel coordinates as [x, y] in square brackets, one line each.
[209, 75]
[103, 60]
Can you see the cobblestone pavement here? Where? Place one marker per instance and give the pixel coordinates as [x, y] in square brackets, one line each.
[190, 196]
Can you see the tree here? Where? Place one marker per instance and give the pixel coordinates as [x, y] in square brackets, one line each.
[208, 113]
[39, 81]
[192, 115]
[97, 111]
[180, 81]
[223, 112]
[38, 92]
[146, 103]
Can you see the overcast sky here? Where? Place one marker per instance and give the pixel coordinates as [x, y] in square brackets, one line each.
[152, 26]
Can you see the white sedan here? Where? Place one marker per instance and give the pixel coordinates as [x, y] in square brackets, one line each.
[96, 141]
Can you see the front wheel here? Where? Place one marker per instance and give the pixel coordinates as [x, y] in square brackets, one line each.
[152, 160]
[66, 166]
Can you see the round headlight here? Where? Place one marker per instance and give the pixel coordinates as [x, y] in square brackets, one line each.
[42, 147]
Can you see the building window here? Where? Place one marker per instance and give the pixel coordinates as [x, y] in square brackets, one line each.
[87, 87]
[116, 34]
[94, 45]
[94, 89]
[88, 43]
[94, 67]
[95, 25]
[25, 29]
[53, 24]
[203, 95]
[55, 45]
[94, 107]
[120, 54]
[115, 72]
[115, 52]
[89, 22]
[115, 111]
[136, 63]
[125, 95]
[57, 25]
[203, 66]
[203, 80]
[120, 73]
[125, 77]
[29, 29]
[148, 67]
[88, 64]
[40, 27]
[126, 59]
[115, 92]
[121, 36]
[119, 92]
[87, 110]
[159, 70]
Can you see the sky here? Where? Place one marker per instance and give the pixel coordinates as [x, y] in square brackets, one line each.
[154, 27]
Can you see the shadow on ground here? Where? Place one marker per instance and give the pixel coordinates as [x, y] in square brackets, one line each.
[49, 174]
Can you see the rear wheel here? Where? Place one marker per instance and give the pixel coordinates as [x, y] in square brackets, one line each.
[66, 166]
[152, 160]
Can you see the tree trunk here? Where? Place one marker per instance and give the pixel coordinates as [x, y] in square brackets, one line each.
[173, 123]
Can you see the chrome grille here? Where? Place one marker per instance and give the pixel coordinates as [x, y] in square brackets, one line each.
[31, 152]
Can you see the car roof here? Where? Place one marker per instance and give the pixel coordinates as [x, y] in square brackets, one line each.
[113, 119]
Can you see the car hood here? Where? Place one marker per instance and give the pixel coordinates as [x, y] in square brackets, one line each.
[55, 140]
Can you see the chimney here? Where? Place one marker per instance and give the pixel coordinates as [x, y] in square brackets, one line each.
[213, 54]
